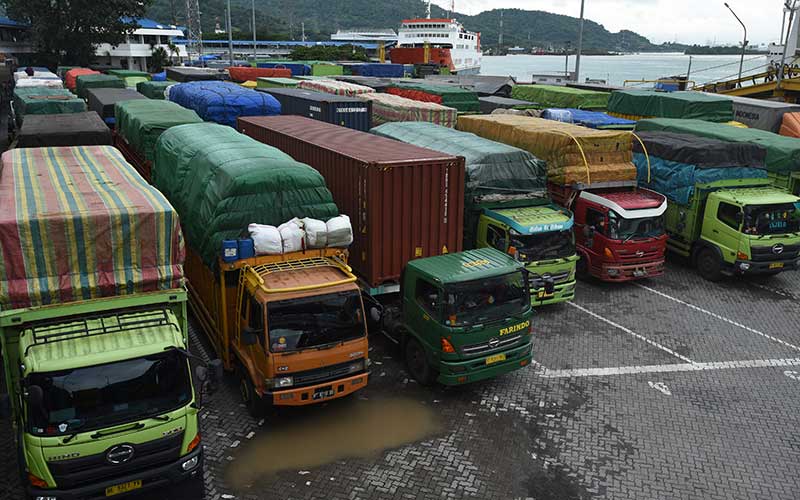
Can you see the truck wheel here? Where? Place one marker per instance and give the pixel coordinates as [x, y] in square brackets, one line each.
[708, 264]
[582, 267]
[417, 363]
[254, 402]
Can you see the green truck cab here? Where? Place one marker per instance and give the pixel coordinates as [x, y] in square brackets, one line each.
[736, 227]
[539, 236]
[462, 317]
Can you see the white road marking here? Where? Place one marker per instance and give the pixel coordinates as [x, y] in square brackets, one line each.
[631, 332]
[670, 368]
[773, 290]
[661, 387]
[717, 316]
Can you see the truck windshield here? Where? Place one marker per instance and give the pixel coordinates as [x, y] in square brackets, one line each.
[541, 246]
[620, 228]
[486, 300]
[314, 321]
[779, 218]
[99, 396]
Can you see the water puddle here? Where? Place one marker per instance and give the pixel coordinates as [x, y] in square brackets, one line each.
[354, 429]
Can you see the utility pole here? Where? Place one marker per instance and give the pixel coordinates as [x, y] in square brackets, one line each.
[303, 35]
[194, 30]
[500, 40]
[255, 51]
[580, 47]
[744, 43]
[230, 34]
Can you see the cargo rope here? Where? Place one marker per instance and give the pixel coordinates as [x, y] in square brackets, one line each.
[647, 156]
[583, 155]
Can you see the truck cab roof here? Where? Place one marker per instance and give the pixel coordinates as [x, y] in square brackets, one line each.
[760, 195]
[98, 340]
[534, 219]
[629, 203]
[464, 266]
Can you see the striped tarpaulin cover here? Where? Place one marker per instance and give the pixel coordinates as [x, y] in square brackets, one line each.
[78, 223]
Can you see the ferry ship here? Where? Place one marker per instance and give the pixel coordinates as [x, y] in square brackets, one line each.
[449, 44]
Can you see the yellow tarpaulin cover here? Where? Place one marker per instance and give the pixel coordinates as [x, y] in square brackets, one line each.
[573, 154]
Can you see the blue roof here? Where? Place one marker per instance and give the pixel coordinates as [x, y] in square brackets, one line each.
[151, 24]
[285, 43]
[8, 22]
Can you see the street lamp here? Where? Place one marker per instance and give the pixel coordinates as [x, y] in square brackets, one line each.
[744, 42]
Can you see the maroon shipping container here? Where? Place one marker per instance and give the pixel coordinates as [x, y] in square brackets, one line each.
[404, 201]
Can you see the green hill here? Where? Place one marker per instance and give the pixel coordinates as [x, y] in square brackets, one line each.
[281, 19]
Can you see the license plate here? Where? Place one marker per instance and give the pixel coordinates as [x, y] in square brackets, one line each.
[495, 358]
[543, 295]
[776, 265]
[323, 392]
[123, 488]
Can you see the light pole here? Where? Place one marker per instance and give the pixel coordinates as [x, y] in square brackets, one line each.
[580, 47]
[255, 51]
[744, 42]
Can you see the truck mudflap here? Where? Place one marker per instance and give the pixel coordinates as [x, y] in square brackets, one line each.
[749, 267]
[311, 394]
[630, 272]
[484, 367]
[146, 480]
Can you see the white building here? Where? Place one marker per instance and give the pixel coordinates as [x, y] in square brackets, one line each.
[14, 38]
[135, 52]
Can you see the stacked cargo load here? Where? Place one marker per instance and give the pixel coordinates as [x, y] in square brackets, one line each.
[350, 112]
[591, 119]
[223, 102]
[73, 129]
[276, 83]
[561, 97]
[574, 154]
[377, 84]
[70, 77]
[44, 101]
[379, 70]
[99, 81]
[672, 164]
[492, 168]
[131, 77]
[189, 74]
[102, 101]
[388, 108]
[140, 122]
[405, 202]
[221, 181]
[297, 69]
[641, 104]
[490, 103]
[51, 83]
[465, 101]
[246, 73]
[335, 87]
[61, 71]
[65, 242]
[153, 90]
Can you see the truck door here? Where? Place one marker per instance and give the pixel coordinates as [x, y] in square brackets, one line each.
[424, 312]
[492, 235]
[593, 229]
[724, 228]
[252, 318]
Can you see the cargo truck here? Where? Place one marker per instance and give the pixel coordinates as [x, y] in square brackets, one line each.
[408, 207]
[291, 325]
[723, 213]
[619, 233]
[506, 206]
[93, 327]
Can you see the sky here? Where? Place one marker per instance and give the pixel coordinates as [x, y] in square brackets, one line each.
[686, 21]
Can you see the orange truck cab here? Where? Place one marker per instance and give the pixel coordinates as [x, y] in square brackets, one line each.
[291, 325]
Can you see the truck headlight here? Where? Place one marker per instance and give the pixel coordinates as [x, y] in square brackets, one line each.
[356, 366]
[190, 464]
[284, 382]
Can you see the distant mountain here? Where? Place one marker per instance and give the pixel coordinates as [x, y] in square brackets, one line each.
[281, 19]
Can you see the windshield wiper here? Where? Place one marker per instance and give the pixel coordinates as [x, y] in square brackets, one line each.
[73, 435]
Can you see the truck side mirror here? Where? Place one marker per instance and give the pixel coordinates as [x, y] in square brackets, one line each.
[249, 336]
[201, 374]
[215, 368]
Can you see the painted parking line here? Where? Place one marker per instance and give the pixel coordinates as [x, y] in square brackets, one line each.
[776, 291]
[718, 316]
[667, 368]
[631, 332]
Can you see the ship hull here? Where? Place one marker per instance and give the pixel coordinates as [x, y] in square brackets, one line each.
[440, 56]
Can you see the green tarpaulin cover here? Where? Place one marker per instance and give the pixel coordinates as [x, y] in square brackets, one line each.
[465, 101]
[687, 105]
[783, 153]
[125, 73]
[101, 81]
[45, 101]
[153, 90]
[141, 121]
[220, 181]
[491, 167]
[551, 96]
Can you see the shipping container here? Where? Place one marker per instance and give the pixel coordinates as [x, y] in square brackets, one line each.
[350, 112]
[404, 201]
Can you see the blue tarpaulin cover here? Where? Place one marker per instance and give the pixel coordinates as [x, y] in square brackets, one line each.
[591, 119]
[379, 70]
[223, 102]
[160, 77]
[297, 69]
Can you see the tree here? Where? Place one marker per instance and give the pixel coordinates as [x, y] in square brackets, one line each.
[158, 59]
[67, 32]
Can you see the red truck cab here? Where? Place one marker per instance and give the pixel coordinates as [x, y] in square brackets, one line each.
[619, 230]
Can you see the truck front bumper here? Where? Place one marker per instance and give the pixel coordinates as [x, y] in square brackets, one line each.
[151, 479]
[561, 293]
[750, 267]
[475, 369]
[630, 272]
[318, 393]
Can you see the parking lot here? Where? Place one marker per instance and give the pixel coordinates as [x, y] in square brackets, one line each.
[669, 388]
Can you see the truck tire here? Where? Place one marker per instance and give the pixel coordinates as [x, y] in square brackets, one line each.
[708, 264]
[253, 402]
[417, 363]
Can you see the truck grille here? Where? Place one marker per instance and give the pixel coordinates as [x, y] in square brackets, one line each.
[640, 255]
[318, 375]
[766, 253]
[485, 347]
[536, 281]
[77, 472]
